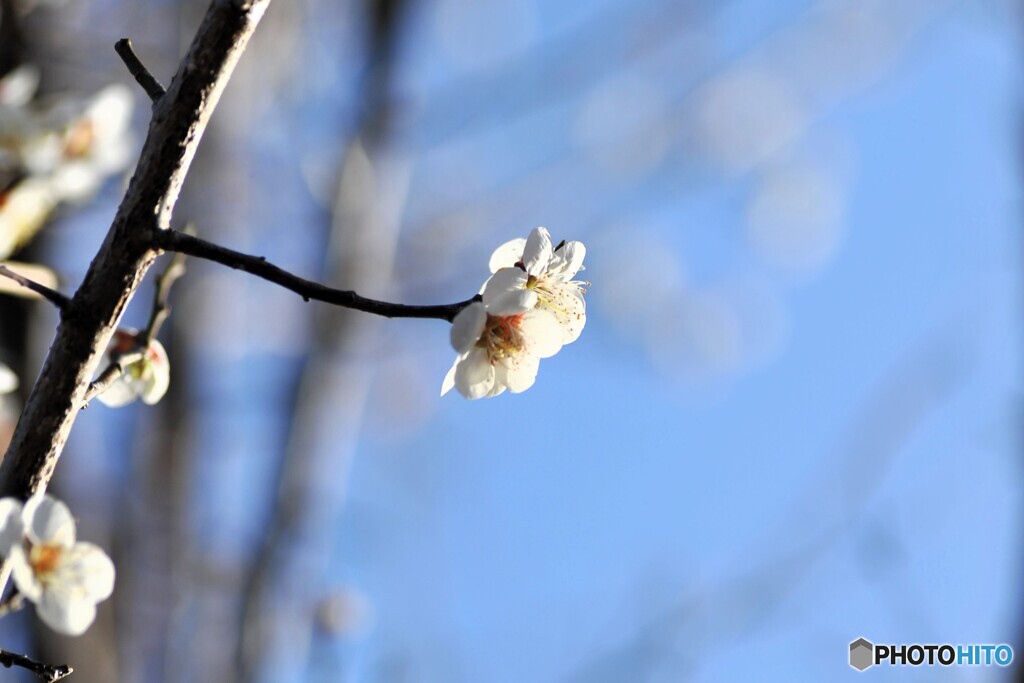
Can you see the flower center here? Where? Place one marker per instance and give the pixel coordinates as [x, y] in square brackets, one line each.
[44, 559]
[79, 140]
[502, 337]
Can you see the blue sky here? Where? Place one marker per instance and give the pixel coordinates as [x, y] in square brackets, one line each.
[529, 536]
[790, 422]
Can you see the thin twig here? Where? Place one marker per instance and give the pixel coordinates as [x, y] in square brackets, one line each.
[53, 296]
[138, 70]
[172, 240]
[44, 672]
[118, 365]
[161, 309]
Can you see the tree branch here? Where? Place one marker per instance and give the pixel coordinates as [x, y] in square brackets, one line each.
[170, 240]
[116, 368]
[138, 70]
[12, 37]
[45, 672]
[179, 120]
[161, 311]
[53, 296]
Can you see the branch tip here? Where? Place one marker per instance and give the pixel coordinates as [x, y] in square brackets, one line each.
[59, 300]
[117, 366]
[138, 70]
[161, 308]
[44, 672]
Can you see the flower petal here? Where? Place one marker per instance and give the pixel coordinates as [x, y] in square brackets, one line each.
[542, 332]
[88, 570]
[11, 526]
[449, 379]
[513, 303]
[567, 261]
[565, 302]
[538, 251]
[518, 375]
[507, 255]
[504, 281]
[497, 390]
[26, 207]
[49, 521]
[8, 380]
[121, 392]
[156, 373]
[468, 326]
[65, 611]
[111, 112]
[76, 181]
[18, 86]
[23, 575]
[474, 375]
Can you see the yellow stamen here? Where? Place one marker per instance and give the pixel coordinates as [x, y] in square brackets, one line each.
[79, 140]
[45, 558]
[501, 337]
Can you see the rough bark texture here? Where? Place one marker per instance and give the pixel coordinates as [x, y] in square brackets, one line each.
[179, 118]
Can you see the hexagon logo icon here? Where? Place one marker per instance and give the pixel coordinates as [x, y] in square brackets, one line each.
[862, 654]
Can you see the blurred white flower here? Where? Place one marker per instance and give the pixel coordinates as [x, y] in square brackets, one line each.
[24, 208]
[94, 144]
[11, 527]
[532, 264]
[500, 342]
[623, 125]
[18, 86]
[796, 217]
[147, 378]
[55, 153]
[29, 143]
[747, 115]
[64, 578]
[8, 380]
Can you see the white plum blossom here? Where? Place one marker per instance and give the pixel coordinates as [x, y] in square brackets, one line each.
[147, 378]
[94, 144]
[61, 151]
[64, 578]
[528, 309]
[534, 264]
[500, 342]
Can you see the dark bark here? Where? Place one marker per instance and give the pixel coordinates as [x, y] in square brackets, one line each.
[179, 119]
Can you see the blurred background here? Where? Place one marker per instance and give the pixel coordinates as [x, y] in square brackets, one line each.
[793, 418]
